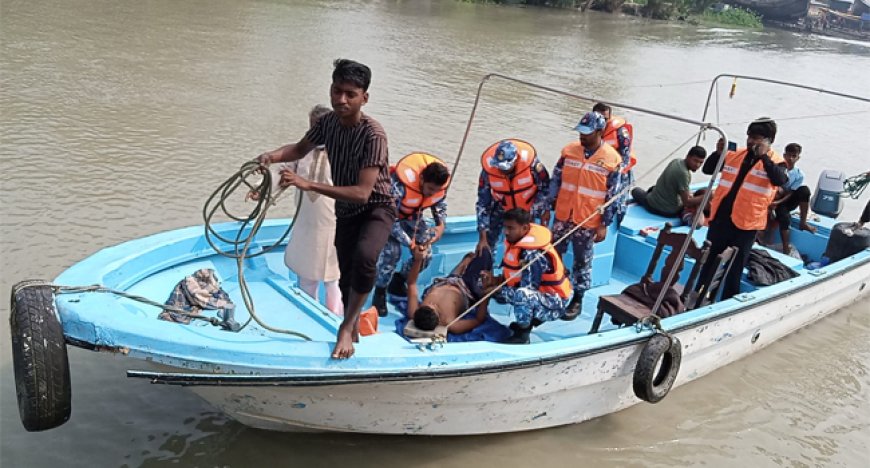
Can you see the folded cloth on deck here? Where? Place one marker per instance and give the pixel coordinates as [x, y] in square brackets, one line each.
[765, 270]
[197, 292]
[647, 293]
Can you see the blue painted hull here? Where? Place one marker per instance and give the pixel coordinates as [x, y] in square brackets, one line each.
[153, 265]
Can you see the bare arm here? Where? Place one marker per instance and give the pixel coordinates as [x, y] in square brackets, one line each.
[413, 274]
[690, 201]
[358, 193]
[287, 153]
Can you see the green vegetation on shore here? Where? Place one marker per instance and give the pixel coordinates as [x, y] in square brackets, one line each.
[732, 17]
[695, 11]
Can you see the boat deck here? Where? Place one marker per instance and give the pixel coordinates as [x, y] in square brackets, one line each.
[152, 266]
[619, 262]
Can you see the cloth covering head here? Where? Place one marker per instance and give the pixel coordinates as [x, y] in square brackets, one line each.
[505, 156]
[590, 123]
[764, 127]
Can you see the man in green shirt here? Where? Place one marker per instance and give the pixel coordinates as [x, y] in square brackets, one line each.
[671, 194]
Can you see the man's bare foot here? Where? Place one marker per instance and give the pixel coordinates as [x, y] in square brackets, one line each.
[807, 227]
[355, 333]
[343, 344]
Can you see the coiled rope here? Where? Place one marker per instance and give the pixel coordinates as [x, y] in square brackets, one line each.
[240, 244]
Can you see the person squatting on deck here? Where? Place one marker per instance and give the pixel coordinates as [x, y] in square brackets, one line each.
[585, 177]
[793, 194]
[419, 181]
[310, 252]
[620, 135]
[670, 196]
[448, 297]
[512, 177]
[541, 292]
[364, 208]
[741, 201]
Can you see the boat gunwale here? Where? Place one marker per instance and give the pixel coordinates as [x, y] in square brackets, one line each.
[348, 378]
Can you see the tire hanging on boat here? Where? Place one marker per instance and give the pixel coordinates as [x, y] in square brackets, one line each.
[39, 358]
[652, 381]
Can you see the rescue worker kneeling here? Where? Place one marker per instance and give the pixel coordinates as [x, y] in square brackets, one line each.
[419, 182]
[539, 293]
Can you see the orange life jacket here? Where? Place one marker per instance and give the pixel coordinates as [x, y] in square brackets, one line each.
[409, 170]
[584, 183]
[554, 280]
[611, 138]
[515, 190]
[751, 204]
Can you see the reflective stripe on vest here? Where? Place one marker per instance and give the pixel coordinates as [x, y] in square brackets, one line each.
[750, 210]
[409, 170]
[553, 280]
[584, 183]
[515, 190]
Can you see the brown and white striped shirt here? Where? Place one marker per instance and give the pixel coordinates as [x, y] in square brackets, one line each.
[350, 150]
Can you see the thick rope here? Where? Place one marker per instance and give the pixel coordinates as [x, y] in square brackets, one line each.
[61, 289]
[241, 245]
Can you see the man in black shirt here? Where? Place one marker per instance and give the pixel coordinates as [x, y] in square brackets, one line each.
[364, 208]
[740, 204]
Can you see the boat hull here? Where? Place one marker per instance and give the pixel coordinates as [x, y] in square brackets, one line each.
[552, 393]
[779, 10]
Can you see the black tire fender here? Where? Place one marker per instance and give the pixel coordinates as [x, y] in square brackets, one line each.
[657, 367]
[39, 358]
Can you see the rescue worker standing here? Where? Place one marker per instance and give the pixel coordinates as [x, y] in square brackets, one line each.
[620, 135]
[419, 182]
[512, 177]
[740, 203]
[539, 293]
[586, 177]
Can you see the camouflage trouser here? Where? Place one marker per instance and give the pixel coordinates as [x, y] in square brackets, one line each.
[392, 252]
[530, 303]
[625, 180]
[496, 225]
[582, 241]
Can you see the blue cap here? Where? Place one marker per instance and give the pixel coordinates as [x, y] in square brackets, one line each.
[591, 122]
[505, 156]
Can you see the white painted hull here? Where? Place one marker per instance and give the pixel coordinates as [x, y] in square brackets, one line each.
[552, 394]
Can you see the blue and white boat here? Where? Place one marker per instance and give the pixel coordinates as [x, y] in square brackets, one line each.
[393, 385]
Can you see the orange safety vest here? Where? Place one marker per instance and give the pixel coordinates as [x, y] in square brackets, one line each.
[610, 137]
[553, 281]
[584, 183]
[408, 170]
[753, 200]
[516, 190]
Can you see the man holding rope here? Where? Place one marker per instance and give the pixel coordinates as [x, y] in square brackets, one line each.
[585, 178]
[364, 208]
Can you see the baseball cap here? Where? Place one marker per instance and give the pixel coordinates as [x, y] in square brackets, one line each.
[591, 122]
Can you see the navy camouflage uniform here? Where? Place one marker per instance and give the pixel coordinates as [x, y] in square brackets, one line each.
[403, 230]
[583, 239]
[527, 299]
[490, 211]
[626, 179]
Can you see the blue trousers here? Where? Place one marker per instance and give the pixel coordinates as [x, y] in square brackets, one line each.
[582, 241]
[392, 252]
[533, 304]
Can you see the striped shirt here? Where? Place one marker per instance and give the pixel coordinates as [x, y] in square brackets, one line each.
[352, 149]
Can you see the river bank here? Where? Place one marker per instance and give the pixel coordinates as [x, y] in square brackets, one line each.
[135, 111]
